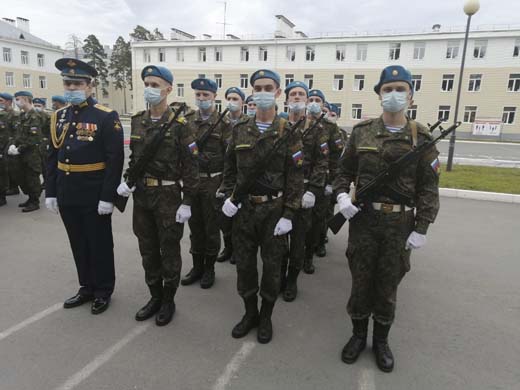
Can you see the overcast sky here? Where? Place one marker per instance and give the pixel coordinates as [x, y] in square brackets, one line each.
[55, 20]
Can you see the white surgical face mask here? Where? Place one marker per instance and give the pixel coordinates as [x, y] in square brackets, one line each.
[297, 106]
[153, 96]
[19, 104]
[333, 119]
[264, 100]
[233, 106]
[394, 101]
[204, 105]
[251, 112]
[314, 108]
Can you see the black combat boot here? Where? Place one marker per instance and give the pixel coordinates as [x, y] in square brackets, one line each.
[382, 352]
[3, 201]
[283, 273]
[208, 277]
[165, 313]
[249, 320]
[153, 305]
[291, 290]
[265, 327]
[33, 204]
[25, 204]
[321, 251]
[227, 252]
[357, 342]
[308, 266]
[196, 272]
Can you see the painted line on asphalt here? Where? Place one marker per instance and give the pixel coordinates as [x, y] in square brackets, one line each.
[234, 365]
[101, 359]
[366, 380]
[38, 316]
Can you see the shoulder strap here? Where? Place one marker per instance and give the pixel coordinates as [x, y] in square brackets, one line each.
[413, 128]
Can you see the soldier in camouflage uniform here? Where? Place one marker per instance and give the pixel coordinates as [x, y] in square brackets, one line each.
[26, 145]
[161, 205]
[315, 164]
[11, 120]
[334, 145]
[39, 107]
[393, 221]
[268, 201]
[5, 131]
[204, 224]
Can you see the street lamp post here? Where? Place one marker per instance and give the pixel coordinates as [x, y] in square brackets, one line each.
[470, 8]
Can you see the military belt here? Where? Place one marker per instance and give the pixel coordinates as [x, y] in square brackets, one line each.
[258, 199]
[153, 182]
[81, 167]
[209, 175]
[390, 208]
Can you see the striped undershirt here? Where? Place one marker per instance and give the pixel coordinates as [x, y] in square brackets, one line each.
[393, 129]
[262, 126]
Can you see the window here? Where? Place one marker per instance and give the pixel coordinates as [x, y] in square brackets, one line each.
[201, 76]
[395, 51]
[218, 106]
[289, 78]
[339, 108]
[356, 111]
[361, 52]
[218, 80]
[514, 82]
[470, 112]
[26, 79]
[310, 53]
[180, 54]
[41, 60]
[162, 55]
[444, 113]
[25, 57]
[416, 82]
[419, 50]
[9, 79]
[340, 52]
[180, 90]
[516, 49]
[452, 51]
[262, 53]
[480, 49]
[146, 56]
[508, 117]
[412, 112]
[244, 81]
[7, 54]
[447, 82]
[309, 80]
[244, 54]
[338, 82]
[474, 82]
[285, 107]
[359, 82]
[218, 54]
[202, 54]
[291, 53]
[43, 82]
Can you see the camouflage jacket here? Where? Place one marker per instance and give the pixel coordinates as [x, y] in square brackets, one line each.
[176, 157]
[29, 132]
[336, 142]
[315, 156]
[369, 150]
[248, 147]
[5, 131]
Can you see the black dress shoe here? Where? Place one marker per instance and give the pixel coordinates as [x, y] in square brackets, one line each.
[100, 305]
[77, 300]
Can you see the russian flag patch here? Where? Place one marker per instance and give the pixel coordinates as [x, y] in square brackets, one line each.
[194, 149]
[436, 166]
[298, 158]
[339, 143]
[324, 147]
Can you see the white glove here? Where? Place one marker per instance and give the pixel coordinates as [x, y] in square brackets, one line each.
[328, 189]
[52, 204]
[183, 213]
[415, 241]
[229, 209]
[308, 200]
[124, 190]
[13, 151]
[105, 208]
[283, 226]
[219, 195]
[345, 205]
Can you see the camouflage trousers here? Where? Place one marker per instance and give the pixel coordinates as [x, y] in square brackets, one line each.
[4, 176]
[318, 222]
[378, 261]
[298, 236]
[44, 151]
[27, 170]
[158, 234]
[253, 228]
[205, 218]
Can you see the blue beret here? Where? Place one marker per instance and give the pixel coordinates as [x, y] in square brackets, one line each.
[334, 108]
[39, 101]
[235, 90]
[283, 115]
[158, 71]
[204, 85]
[23, 93]
[296, 84]
[59, 99]
[326, 105]
[75, 69]
[317, 92]
[6, 96]
[265, 74]
[249, 99]
[393, 73]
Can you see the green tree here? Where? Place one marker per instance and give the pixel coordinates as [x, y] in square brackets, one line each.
[121, 66]
[140, 33]
[157, 34]
[96, 56]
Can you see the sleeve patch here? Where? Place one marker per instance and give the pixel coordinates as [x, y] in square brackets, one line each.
[194, 149]
[298, 158]
[339, 143]
[324, 147]
[436, 166]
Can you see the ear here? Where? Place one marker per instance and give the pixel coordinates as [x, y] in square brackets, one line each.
[278, 93]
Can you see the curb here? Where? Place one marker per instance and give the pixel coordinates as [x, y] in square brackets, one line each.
[479, 195]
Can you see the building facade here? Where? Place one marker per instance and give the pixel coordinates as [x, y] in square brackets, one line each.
[347, 67]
